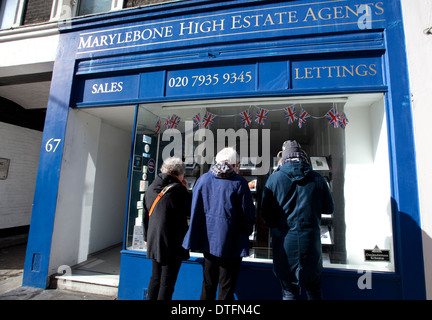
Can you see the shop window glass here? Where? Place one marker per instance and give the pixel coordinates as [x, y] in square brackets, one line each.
[7, 13]
[137, 3]
[93, 6]
[354, 160]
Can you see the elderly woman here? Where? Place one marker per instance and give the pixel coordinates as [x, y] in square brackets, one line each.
[166, 208]
[222, 218]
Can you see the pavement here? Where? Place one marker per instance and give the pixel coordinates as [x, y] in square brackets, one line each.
[29, 293]
[12, 256]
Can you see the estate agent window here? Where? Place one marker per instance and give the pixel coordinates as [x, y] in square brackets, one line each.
[345, 137]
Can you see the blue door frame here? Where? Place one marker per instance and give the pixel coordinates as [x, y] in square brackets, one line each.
[148, 46]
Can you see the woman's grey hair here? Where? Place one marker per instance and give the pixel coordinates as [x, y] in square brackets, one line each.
[229, 155]
[174, 166]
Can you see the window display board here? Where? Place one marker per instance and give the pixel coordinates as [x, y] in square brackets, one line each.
[144, 170]
[209, 74]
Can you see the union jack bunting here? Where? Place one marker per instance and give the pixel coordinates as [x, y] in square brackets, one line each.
[261, 116]
[172, 122]
[207, 120]
[197, 120]
[158, 126]
[246, 118]
[303, 116]
[333, 117]
[343, 120]
[290, 114]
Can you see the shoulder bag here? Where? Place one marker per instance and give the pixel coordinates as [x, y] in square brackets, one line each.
[164, 190]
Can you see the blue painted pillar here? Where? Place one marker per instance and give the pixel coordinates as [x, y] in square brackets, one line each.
[45, 198]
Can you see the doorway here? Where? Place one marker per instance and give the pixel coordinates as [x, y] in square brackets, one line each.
[89, 224]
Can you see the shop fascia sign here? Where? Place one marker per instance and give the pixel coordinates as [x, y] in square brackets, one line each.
[267, 21]
[233, 79]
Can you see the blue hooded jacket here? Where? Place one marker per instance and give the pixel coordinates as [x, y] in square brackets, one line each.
[294, 198]
[222, 215]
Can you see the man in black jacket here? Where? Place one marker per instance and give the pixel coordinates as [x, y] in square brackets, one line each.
[165, 226]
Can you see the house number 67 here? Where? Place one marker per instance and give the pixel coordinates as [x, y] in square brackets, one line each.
[52, 145]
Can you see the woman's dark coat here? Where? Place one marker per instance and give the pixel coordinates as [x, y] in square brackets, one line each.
[167, 226]
[294, 198]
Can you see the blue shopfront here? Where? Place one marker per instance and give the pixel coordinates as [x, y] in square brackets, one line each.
[188, 77]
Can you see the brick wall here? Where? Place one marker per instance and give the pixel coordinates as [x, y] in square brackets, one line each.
[22, 147]
[37, 11]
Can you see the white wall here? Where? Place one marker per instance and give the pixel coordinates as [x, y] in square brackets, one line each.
[418, 17]
[16, 45]
[16, 52]
[109, 200]
[92, 190]
[367, 186]
[22, 147]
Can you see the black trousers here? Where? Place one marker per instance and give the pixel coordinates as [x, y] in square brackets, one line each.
[163, 280]
[219, 271]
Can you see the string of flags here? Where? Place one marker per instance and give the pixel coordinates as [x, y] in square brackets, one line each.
[292, 115]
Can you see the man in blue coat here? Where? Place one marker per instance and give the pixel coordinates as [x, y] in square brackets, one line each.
[222, 219]
[294, 198]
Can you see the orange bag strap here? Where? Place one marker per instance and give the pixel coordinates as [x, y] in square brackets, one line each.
[159, 196]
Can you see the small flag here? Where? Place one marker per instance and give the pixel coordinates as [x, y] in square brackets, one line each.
[333, 117]
[197, 120]
[290, 114]
[158, 126]
[303, 116]
[343, 121]
[207, 120]
[172, 122]
[246, 118]
[261, 116]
